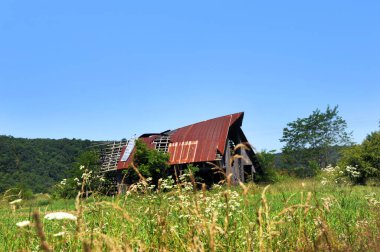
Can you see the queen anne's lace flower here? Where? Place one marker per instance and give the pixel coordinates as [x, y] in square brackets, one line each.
[23, 223]
[59, 234]
[353, 171]
[15, 202]
[60, 216]
[63, 182]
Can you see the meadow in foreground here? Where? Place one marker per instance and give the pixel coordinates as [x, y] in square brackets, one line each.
[297, 215]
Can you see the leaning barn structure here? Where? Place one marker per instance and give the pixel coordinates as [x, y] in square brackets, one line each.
[204, 144]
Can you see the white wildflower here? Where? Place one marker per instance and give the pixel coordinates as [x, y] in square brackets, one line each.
[216, 187]
[324, 181]
[167, 183]
[81, 167]
[328, 202]
[78, 181]
[86, 175]
[330, 168]
[23, 223]
[372, 199]
[59, 234]
[60, 216]
[15, 202]
[353, 171]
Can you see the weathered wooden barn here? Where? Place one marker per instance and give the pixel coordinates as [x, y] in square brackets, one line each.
[202, 144]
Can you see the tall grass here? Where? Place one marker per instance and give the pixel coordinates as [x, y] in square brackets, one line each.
[292, 216]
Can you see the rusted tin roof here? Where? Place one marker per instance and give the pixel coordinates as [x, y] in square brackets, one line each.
[199, 142]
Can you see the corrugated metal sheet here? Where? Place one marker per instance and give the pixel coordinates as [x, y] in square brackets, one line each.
[199, 142]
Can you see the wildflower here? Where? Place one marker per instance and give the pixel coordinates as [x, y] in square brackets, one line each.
[81, 167]
[78, 181]
[353, 171]
[361, 223]
[216, 186]
[59, 234]
[15, 202]
[324, 181]
[60, 216]
[86, 175]
[63, 182]
[372, 199]
[330, 168]
[23, 223]
[327, 203]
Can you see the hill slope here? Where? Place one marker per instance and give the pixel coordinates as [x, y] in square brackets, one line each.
[37, 164]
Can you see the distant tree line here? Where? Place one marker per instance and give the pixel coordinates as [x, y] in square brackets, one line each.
[37, 164]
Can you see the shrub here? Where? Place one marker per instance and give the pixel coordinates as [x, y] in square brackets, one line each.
[84, 178]
[333, 175]
[362, 161]
[149, 162]
[267, 162]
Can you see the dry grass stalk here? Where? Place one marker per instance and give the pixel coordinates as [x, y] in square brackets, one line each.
[260, 231]
[138, 172]
[204, 188]
[86, 247]
[40, 232]
[212, 232]
[244, 146]
[79, 208]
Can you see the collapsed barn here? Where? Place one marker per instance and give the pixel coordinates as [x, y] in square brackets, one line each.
[214, 142]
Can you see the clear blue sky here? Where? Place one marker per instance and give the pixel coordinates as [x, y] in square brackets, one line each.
[110, 69]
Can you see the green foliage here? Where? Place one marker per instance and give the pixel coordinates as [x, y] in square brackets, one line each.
[267, 163]
[84, 177]
[309, 170]
[87, 161]
[313, 140]
[66, 189]
[191, 169]
[363, 161]
[37, 164]
[149, 162]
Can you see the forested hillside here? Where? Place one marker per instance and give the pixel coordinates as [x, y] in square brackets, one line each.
[37, 164]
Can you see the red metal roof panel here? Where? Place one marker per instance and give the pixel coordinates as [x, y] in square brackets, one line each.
[199, 142]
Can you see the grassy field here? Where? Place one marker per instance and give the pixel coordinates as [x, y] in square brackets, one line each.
[296, 215]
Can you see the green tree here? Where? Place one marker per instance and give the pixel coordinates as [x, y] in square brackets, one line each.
[267, 163]
[362, 162]
[149, 162]
[313, 141]
[84, 177]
